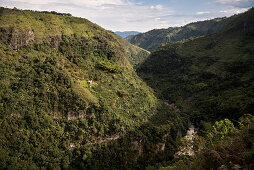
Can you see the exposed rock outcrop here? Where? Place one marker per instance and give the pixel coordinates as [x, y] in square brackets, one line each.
[21, 39]
[17, 38]
[137, 146]
[188, 142]
[161, 145]
[73, 116]
[55, 41]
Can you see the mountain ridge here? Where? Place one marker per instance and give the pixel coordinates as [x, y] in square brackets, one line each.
[224, 56]
[72, 97]
[152, 39]
[125, 34]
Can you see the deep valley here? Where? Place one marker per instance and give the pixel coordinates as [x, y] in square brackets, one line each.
[76, 96]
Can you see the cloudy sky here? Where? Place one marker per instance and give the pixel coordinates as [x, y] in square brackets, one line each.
[137, 15]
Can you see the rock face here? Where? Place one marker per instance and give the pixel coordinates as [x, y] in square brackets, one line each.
[55, 41]
[17, 38]
[72, 116]
[187, 149]
[161, 145]
[21, 39]
[137, 146]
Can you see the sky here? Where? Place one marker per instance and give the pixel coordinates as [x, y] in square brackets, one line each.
[137, 15]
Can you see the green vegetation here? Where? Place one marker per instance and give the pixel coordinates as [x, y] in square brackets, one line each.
[155, 38]
[107, 66]
[134, 54]
[211, 79]
[52, 118]
[70, 97]
[223, 146]
[208, 77]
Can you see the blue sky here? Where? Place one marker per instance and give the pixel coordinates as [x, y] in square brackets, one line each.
[138, 15]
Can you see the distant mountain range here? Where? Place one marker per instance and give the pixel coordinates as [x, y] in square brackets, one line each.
[152, 39]
[125, 34]
[210, 76]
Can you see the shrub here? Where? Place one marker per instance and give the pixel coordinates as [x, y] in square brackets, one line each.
[108, 66]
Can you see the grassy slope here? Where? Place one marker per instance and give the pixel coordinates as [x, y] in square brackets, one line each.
[48, 110]
[154, 38]
[209, 77]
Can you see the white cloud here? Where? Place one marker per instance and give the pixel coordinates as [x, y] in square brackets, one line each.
[203, 13]
[237, 3]
[232, 7]
[38, 2]
[114, 15]
[124, 15]
[232, 11]
[157, 7]
[76, 2]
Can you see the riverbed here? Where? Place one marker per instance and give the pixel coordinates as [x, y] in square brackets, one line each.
[188, 139]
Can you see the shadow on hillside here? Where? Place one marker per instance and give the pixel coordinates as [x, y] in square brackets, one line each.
[151, 143]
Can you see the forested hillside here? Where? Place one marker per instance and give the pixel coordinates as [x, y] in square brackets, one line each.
[212, 76]
[69, 97]
[153, 39]
[211, 79]
[76, 96]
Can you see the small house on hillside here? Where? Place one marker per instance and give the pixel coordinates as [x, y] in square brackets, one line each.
[90, 83]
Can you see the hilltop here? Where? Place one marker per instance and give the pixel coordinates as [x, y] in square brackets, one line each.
[153, 39]
[207, 73]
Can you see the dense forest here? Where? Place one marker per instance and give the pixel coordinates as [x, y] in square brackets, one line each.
[69, 97]
[153, 39]
[76, 96]
[211, 79]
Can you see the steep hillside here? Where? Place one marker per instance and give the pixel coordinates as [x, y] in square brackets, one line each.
[223, 145]
[154, 38]
[134, 54]
[70, 99]
[209, 77]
